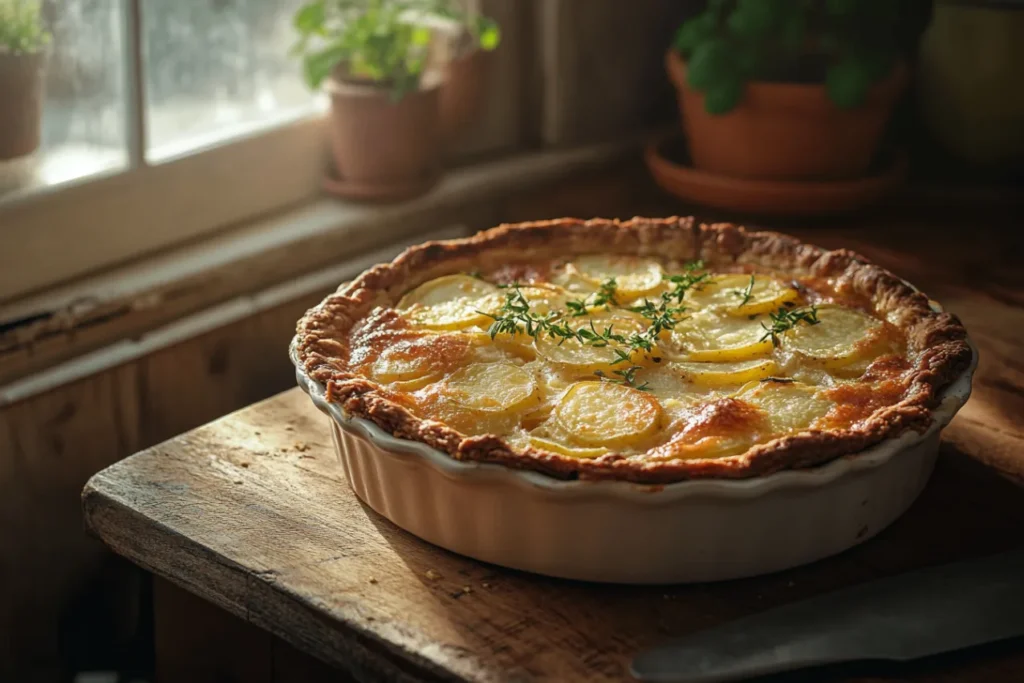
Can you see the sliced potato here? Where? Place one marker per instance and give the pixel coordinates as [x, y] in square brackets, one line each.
[409, 364]
[607, 414]
[634, 275]
[704, 448]
[712, 337]
[544, 298]
[788, 406]
[492, 388]
[552, 381]
[451, 302]
[415, 384]
[544, 444]
[401, 363]
[841, 337]
[661, 380]
[722, 374]
[726, 293]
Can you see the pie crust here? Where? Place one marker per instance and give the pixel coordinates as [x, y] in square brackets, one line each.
[936, 341]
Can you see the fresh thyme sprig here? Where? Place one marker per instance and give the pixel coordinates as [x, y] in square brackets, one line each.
[605, 295]
[515, 317]
[663, 315]
[785, 319]
[688, 280]
[577, 307]
[627, 377]
[600, 339]
[747, 293]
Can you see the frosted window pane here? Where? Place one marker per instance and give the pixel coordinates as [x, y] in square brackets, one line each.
[216, 69]
[83, 129]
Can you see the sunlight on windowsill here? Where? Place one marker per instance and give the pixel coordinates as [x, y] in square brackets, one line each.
[57, 166]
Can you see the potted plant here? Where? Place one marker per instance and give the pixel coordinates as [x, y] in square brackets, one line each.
[467, 67]
[23, 41]
[789, 90]
[385, 116]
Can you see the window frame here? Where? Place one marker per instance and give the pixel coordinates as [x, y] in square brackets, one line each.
[52, 234]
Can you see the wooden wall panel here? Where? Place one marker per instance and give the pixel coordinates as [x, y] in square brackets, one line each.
[52, 443]
[49, 446]
[602, 64]
[203, 378]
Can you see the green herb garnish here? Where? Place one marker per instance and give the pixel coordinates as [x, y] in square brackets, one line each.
[606, 294]
[747, 293]
[627, 377]
[785, 319]
[663, 313]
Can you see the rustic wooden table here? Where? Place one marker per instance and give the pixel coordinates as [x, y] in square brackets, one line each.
[252, 515]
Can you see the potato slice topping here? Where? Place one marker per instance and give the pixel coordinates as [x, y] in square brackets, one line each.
[451, 302]
[607, 414]
[741, 295]
[788, 406]
[553, 446]
[719, 338]
[492, 387]
[723, 374]
[634, 275]
[842, 336]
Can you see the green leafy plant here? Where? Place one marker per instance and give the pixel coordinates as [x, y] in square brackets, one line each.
[21, 27]
[367, 39]
[485, 31]
[847, 44]
[379, 41]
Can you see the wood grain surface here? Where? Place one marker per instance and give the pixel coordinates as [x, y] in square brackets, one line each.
[253, 514]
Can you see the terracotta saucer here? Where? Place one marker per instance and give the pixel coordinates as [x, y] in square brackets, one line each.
[374, 192]
[670, 166]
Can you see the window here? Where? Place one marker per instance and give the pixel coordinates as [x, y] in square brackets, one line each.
[231, 78]
[84, 125]
[147, 102]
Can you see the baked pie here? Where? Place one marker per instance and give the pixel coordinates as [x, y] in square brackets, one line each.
[653, 350]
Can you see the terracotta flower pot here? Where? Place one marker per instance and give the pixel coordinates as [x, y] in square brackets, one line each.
[21, 103]
[785, 130]
[464, 92]
[378, 141]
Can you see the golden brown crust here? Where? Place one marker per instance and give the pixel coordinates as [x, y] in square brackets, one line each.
[936, 341]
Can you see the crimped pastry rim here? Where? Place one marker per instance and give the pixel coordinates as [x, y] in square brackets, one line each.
[945, 353]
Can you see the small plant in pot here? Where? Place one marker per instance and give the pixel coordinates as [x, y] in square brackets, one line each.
[23, 41]
[468, 61]
[385, 115]
[788, 89]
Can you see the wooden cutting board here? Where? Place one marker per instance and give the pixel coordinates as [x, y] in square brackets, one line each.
[252, 514]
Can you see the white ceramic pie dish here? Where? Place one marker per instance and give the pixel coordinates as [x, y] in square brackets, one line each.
[613, 531]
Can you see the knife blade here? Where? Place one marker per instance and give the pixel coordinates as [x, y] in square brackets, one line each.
[899, 618]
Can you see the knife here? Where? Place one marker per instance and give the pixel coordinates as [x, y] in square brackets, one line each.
[900, 618]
